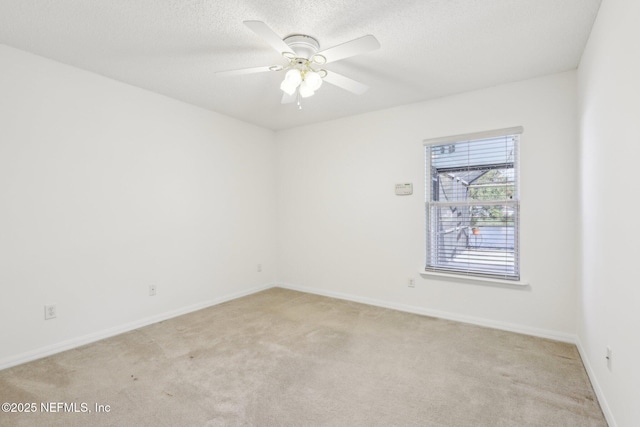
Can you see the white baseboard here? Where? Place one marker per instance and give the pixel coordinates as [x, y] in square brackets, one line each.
[117, 330]
[505, 326]
[604, 405]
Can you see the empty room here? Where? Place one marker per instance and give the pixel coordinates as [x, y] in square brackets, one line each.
[333, 213]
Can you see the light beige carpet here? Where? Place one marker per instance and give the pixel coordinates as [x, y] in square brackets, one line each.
[285, 358]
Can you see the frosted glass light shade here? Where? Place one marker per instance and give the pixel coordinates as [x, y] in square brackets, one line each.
[305, 89]
[288, 87]
[313, 80]
[291, 81]
[293, 76]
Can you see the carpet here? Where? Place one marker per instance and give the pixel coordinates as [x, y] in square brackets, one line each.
[286, 358]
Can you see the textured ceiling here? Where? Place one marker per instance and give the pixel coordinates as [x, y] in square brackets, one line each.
[430, 48]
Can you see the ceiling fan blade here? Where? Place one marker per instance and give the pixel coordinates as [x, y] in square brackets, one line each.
[352, 48]
[345, 83]
[288, 99]
[268, 35]
[242, 71]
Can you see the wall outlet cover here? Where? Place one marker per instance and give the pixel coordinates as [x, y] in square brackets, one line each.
[50, 311]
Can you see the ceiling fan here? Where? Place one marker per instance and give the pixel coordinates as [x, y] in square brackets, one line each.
[303, 73]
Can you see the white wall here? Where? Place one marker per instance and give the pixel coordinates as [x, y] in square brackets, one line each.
[343, 232]
[609, 109]
[105, 189]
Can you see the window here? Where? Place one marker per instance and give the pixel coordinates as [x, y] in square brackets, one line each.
[472, 185]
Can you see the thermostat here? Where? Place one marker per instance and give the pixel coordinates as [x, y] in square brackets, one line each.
[404, 189]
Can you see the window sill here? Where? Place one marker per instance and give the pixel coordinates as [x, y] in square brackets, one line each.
[476, 279]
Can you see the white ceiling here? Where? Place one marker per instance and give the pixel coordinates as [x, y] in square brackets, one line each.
[430, 48]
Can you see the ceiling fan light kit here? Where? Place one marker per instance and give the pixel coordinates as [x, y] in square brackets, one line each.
[301, 79]
[291, 81]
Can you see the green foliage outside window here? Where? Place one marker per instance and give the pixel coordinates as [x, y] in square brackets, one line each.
[494, 185]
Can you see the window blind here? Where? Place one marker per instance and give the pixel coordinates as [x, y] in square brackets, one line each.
[473, 208]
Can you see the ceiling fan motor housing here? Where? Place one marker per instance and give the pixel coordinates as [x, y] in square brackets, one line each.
[302, 45]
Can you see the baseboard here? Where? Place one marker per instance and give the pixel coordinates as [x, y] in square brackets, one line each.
[604, 405]
[117, 330]
[505, 326]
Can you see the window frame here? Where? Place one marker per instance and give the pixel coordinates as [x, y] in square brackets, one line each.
[432, 263]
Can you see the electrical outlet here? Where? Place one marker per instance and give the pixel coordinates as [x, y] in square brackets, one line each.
[609, 357]
[412, 282]
[259, 268]
[50, 311]
[152, 290]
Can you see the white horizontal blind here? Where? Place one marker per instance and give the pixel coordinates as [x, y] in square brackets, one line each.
[473, 205]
